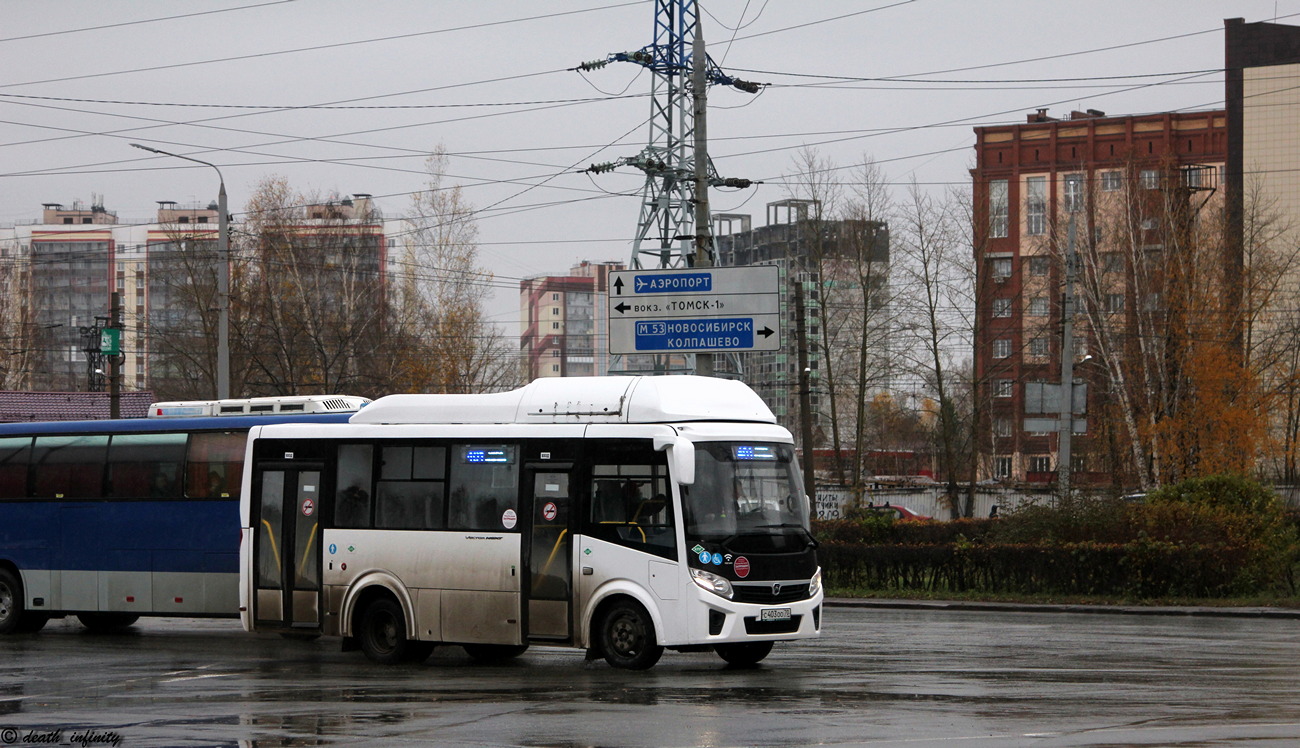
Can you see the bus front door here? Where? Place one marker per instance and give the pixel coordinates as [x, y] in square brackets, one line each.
[550, 562]
[286, 552]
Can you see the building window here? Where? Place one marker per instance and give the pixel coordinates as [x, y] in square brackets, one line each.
[1073, 193]
[1038, 346]
[1003, 387]
[1039, 265]
[555, 297]
[555, 353]
[1002, 348]
[1149, 224]
[1001, 467]
[1001, 426]
[1149, 179]
[555, 325]
[1002, 307]
[555, 367]
[1036, 206]
[1040, 464]
[1112, 262]
[1111, 181]
[555, 310]
[1114, 303]
[1038, 306]
[1002, 268]
[998, 208]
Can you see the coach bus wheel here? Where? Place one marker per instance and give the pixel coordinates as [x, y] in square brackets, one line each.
[494, 652]
[14, 617]
[383, 635]
[107, 622]
[627, 637]
[743, 654]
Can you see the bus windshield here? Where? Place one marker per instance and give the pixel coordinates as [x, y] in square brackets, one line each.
[748, 496]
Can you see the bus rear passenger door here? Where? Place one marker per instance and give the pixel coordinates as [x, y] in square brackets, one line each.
[286, 551]
[550, 558]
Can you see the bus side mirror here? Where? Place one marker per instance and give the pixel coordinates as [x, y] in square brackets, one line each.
[681, 457]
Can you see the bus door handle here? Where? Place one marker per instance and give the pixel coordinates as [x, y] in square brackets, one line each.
[587, 571]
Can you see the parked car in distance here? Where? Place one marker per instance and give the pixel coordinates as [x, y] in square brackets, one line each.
[900, 513]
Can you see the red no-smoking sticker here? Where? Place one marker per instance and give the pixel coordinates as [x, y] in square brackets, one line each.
[308, 506]
[549, 511]
[741, 566]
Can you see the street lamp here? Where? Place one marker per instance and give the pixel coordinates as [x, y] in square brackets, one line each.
[223, 275]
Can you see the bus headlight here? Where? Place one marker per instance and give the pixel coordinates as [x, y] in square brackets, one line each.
[815, 585]
[712, 582]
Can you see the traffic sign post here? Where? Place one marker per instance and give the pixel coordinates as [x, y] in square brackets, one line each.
[702, 310]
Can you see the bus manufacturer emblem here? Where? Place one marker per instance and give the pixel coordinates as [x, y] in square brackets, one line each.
[776, 589]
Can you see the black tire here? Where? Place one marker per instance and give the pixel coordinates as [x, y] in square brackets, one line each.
[494, 652]
[743, 654]
[14, 616]
[103, 623]
[382, 635]
[627, 637]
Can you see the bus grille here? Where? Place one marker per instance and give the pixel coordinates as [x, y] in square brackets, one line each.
[762, 594]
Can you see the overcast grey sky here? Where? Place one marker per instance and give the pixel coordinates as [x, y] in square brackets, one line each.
[240, 83]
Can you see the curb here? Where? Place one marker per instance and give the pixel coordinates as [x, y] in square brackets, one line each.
[1132, 610]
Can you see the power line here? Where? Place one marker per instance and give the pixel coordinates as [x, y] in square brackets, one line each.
[104, 27]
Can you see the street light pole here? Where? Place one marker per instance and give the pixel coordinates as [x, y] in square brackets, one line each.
[223, 275]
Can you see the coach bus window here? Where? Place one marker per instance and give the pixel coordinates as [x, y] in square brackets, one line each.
[145, 466]
[14, 453]
[352, 508]
[68, 467]
[216, 465]
[630, 498]
[410, 493]
[484, 484]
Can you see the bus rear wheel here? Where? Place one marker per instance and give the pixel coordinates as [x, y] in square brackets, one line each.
[382, 635]
[627, 637]
[102, 623]
[494, 652]
[14, 616]
[743, 654]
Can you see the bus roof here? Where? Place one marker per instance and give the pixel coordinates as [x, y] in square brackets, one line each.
[637, 399]
[134, 425]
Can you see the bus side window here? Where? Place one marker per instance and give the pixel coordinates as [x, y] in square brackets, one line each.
[69, 467]
[145, 466]
[410, 493]
[630, 499]
[352, 508]
[216, 465]
[484, 484]
[14, 453]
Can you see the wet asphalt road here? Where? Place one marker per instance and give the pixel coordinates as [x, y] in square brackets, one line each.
[878, 677]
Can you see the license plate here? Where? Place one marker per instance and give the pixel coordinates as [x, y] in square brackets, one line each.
[774, 614]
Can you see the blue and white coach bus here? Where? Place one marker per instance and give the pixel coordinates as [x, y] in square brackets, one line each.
[112, 520]
[624, 515]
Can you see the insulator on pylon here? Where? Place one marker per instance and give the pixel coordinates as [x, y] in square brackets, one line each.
[593, 65]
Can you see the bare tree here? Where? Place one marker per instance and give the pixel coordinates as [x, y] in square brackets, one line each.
[441, 294]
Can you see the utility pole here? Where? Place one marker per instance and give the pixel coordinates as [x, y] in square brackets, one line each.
[1065, 432]
[703, 257]
[115, 357]
[805, 390]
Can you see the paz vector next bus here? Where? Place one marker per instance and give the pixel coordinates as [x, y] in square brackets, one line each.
[624, 515]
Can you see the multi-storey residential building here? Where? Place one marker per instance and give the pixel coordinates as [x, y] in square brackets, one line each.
[1030, 182]
[829, 260]
[60, 271]
[564, 322]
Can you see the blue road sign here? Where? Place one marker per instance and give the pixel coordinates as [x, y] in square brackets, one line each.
[724, 334]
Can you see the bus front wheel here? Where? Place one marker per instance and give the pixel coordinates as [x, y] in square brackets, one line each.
[743, 654]
[14, 616]
[383, 635]
[627, 637]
